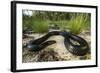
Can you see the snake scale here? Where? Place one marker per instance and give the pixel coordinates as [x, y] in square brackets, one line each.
[79, 48]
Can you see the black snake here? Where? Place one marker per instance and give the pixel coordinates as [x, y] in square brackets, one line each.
[79, 48]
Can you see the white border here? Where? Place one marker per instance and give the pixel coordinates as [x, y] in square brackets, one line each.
[21, 65]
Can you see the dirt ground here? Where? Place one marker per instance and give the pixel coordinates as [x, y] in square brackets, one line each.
[55, 52]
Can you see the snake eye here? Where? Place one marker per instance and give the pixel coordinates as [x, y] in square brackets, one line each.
[29, 46]
[32, 47]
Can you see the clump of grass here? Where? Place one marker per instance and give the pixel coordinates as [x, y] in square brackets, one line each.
[39, 25]
[76, 25]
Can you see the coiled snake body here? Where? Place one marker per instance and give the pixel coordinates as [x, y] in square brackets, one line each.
[80, 47]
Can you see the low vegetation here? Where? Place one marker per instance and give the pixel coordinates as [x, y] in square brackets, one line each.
[40, 21]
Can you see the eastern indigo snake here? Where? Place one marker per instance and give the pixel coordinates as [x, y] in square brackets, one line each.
[80, 47]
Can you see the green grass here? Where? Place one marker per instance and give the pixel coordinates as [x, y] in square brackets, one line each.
[40, 26]
[76, 25]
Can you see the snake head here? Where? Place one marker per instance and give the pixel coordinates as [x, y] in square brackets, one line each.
[32, 47]
[38, 47]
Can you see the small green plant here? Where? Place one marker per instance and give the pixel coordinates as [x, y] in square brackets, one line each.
[76, 25]
[40, 26]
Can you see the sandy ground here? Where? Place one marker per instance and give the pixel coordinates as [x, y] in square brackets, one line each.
[55, 52]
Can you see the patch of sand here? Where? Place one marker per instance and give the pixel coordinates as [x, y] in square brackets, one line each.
[55, 52]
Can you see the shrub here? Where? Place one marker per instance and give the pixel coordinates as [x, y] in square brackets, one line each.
[76, 25]
[40, 26]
